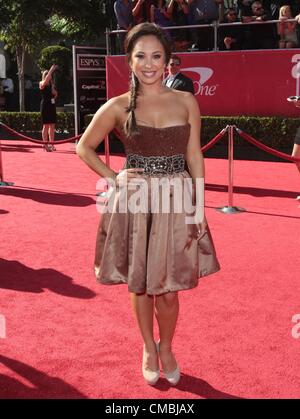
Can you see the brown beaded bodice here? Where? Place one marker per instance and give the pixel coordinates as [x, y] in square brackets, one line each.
[152, 141]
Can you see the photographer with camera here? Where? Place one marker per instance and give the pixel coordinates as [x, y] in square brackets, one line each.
[48, 109]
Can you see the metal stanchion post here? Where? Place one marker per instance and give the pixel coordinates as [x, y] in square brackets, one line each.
[215, 27]
[230, 209]
[2, 182]
[103, 194]
[107, 38]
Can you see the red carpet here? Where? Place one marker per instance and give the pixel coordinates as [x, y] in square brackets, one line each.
[69, 337]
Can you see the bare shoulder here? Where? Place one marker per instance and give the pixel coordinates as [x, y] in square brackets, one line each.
[121, 100]
[118, 102]
[189, 101]
[185, 103]
[186, 98]
[115, 106]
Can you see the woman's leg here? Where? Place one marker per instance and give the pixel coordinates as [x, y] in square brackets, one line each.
[296, 153]
[51, 132]
[45, 132]
[166, 311]
[143, 309]
[51, 136]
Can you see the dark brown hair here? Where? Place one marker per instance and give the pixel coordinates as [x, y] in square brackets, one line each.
[143, 29]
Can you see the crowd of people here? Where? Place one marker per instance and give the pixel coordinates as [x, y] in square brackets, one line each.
[168, 13]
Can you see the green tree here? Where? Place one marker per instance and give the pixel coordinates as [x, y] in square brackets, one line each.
[26, 27]
[23, 29]
[83, 21]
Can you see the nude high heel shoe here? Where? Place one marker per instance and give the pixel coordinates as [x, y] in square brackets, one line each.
[174, 376]
[46, 147]
[151, 377]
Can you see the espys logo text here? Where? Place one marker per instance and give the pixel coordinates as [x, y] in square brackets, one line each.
[203, 74]
[90, 62]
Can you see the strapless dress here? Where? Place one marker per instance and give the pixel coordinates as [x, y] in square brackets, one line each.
[153, 251]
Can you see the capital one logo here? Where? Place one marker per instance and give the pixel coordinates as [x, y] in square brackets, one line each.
[201, 75]
[91, 87]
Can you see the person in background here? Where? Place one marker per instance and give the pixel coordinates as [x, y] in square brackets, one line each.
[230, 37]
[287, 30]
[142, 10]
[260, 36]
[159, 15]
[124, 14]
[244, 8]
[178, 11]
[28, 86]
[48, 109]
[8, 91]
[176, 80]
[202, 13]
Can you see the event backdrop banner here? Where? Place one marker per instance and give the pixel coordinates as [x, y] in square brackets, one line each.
[89, 82]
[231, 83]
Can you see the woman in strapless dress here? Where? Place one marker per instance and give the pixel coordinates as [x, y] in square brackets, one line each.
[148, 238]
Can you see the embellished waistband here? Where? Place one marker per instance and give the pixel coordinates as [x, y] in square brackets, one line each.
[153, 165]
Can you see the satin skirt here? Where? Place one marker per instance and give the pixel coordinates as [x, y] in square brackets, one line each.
[153, 252]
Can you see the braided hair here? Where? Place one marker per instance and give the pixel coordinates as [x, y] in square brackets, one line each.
[131, 127]
[143, 29]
